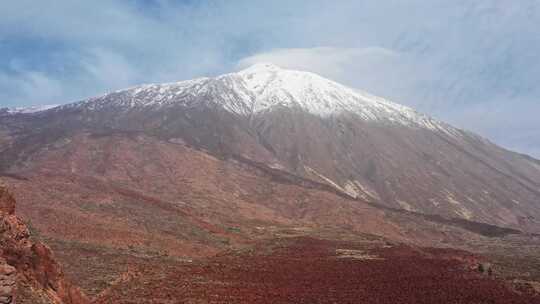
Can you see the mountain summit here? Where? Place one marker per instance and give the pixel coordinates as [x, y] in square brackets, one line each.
[263, 87]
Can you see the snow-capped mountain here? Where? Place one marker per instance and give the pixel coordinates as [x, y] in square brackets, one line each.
[263, 87]
[362, 146]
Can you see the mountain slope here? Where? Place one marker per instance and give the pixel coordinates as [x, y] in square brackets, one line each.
[309, 126]
[110, 203]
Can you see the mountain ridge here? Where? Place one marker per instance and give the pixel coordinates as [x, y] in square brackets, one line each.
[408, 113]
[264, 86]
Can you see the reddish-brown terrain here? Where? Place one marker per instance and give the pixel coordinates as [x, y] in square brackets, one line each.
[106, 234]
[265, 257]
[306, 270]
[174, 199]
[28, 271]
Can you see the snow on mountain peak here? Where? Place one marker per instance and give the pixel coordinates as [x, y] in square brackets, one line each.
[273, 86]
[30, 109]
[263, 87]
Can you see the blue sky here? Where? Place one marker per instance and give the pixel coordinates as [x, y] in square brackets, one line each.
[474, 64]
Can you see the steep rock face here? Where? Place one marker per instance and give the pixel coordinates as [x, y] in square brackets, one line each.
[28, 271]
[301, 123]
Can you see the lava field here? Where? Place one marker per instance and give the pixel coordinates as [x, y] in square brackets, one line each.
[308, 270]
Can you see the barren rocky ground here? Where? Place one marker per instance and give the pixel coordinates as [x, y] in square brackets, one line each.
[307, 270]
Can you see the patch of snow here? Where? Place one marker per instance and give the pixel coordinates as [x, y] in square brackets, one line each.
[31, 109]
[405, 205]
[459, 208]
[351, 189]
[271, 86]
[326, 179]
[277, 166]
[372, 194]
[464, 213]
[452, 200]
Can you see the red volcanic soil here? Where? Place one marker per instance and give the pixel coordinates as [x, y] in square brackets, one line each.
[307, 270]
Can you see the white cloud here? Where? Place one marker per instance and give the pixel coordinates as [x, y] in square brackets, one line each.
[332, 61]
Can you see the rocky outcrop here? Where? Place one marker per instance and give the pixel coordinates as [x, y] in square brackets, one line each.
[7, 282]
[28, 271]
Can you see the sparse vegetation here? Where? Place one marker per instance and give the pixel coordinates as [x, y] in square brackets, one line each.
[306, 270]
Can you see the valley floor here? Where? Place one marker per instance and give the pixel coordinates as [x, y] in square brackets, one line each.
[310, 270]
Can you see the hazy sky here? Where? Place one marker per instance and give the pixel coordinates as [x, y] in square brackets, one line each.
[475, 64]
